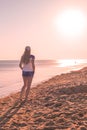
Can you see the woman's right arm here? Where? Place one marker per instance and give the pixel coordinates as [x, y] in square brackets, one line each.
[33, 63]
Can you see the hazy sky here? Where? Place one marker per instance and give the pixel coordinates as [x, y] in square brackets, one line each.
[34, 23]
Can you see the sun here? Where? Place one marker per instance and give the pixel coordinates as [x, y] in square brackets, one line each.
[71, 23]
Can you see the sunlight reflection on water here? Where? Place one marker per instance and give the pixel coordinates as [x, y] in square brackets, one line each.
[70, 62]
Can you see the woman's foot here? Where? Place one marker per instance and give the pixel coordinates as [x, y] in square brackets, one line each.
[26, 99]
[20, 99]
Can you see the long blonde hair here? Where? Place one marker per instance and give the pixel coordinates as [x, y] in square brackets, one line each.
[26, 55]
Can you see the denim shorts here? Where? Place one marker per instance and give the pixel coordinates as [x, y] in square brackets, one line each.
[27, 73]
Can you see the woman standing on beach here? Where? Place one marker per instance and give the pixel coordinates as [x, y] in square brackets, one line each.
[28, 68]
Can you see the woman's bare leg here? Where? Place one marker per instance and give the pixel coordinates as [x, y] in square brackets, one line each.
[24, 86]
[28, 87]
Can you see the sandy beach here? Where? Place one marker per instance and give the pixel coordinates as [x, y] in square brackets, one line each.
[57, 104]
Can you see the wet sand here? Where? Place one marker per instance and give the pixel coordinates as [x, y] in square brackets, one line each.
[57, 104]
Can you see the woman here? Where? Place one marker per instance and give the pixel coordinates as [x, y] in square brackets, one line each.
[28, 68]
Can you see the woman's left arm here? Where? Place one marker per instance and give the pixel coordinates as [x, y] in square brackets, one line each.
[20, 64]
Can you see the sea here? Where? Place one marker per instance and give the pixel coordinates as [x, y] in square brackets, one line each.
[11, 75]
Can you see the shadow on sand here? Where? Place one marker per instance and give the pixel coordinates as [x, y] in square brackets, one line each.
[10, 113]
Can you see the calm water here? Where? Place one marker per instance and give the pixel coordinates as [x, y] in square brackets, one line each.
[11, 79]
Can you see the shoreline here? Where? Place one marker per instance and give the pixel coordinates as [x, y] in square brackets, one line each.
[13, 86]
[58, 103]
[46, 79]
